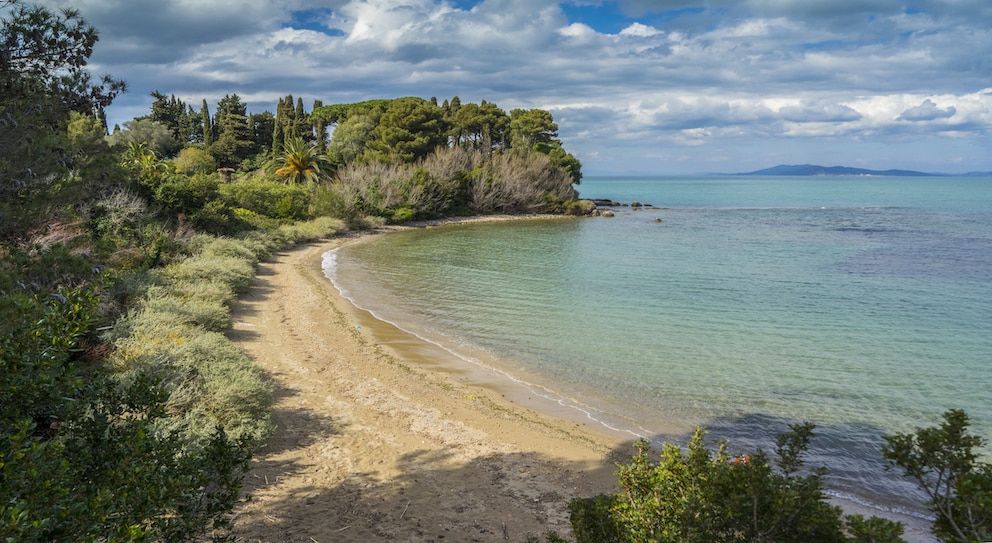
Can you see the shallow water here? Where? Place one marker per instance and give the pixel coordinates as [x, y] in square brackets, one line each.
[863, 305]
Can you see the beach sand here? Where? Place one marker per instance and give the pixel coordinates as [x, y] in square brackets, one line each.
[379, 438]
[373, 444]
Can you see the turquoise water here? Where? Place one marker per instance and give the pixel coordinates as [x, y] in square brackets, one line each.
[861, 304]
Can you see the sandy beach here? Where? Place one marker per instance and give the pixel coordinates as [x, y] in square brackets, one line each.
[375, 444]
[380, 438]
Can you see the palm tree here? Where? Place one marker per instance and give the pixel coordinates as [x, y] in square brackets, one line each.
[141, 158]
[300, 162]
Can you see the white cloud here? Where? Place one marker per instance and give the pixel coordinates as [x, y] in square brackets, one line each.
[638, 30]
[723, 74]
[927, 111]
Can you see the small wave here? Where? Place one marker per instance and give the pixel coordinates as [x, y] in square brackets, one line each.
[858, 500]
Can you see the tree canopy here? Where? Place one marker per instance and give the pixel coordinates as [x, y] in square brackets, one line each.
[43, 77]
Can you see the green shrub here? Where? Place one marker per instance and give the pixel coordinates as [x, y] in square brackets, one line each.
[214, 217]
[225, 247]
[85, 459]
[207, 314]
[592, 521]
[268, 198]
[219, 386]
[944, 461]
[579, 207]
[187, 194]
[233, 271]
[700, 495]
[401, 215]
[192, 160]
[316, 229]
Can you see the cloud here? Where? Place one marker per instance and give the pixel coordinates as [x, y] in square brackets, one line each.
[927, 111]
[819, 111]
[634, 75]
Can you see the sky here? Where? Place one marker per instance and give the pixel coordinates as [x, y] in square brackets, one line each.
[636, 86]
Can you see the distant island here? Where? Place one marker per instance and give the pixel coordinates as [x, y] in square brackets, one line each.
[812, 169]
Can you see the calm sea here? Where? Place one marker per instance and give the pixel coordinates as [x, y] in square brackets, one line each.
[862, 304]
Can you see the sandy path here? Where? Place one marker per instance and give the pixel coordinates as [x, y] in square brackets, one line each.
[371, 446]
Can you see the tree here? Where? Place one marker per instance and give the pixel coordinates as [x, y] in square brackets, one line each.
[563, 159]
[95, 168]
[349, 138]
[319, 127]
[234, 141]
[206, 124]
[186, 126]
[45, 53]
[155, 135]
[300, 162]
[480, 126]
[531, 126]
[43, 77]
[410, 129]
[944, 462]
[301, 122]
[262, 126]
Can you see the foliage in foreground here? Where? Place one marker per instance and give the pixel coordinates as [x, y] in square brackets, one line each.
[944, 461]
[704, 496]
[136, 431]
[84, 455]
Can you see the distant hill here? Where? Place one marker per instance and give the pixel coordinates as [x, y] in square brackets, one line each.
[811, 169]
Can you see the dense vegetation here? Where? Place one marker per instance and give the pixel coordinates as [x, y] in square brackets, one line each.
[125, 413]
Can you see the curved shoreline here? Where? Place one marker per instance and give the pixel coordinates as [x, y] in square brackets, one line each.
[492, 454]
[408, 344]
[369, 446]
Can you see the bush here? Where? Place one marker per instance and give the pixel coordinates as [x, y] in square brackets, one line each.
[207, 314]
[268, 198]
[83, 456]
[226, 247]
[232, 271]
[217, 385]
[187, 194]
[192, 160]
[944, 462]
[704, 496]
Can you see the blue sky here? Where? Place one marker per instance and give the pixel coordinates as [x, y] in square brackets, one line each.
[637, 86]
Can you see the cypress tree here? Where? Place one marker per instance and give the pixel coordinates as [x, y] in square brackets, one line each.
[208, 136]
[320, 127]
[301, 127]
[279, 132]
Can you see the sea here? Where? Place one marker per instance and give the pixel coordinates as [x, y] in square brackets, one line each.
[739, 304]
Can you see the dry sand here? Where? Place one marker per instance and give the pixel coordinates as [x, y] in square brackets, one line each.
[375, 445]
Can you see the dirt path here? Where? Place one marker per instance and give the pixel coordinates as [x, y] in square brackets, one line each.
[373, 447]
